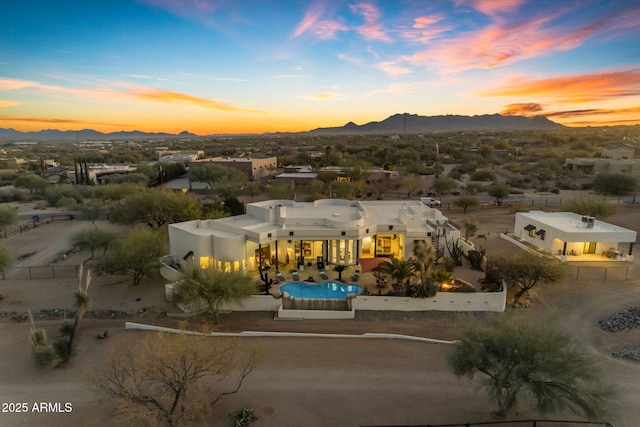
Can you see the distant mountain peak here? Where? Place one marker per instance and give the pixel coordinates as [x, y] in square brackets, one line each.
[405, 122]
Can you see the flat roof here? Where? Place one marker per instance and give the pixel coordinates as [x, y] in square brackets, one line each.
[569, 221]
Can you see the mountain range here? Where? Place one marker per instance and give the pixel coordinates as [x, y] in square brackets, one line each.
[398, 123]
[412, 123]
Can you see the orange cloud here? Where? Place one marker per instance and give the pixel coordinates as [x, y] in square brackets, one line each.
[180, 98]
[371, 29]
[527, 109]
[4, 104]
[324, 95]
[575, 88]
[492, 7]
[507, 40]
[424, 29]
[48, 120]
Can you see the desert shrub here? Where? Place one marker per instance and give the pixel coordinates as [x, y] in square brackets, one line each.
[476, 257]
[244, 417]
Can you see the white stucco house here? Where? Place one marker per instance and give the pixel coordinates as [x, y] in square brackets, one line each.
[574, 237]
[284, 233]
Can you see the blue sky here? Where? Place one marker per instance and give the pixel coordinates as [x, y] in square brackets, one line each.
[212, 66]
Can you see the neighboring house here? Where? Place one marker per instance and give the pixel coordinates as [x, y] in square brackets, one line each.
[374, 174]
[575, 237]
[286, 233]
[616, 159]
[298, 175]
[255, 168]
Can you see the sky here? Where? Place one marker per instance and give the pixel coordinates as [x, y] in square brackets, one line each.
[237, 66]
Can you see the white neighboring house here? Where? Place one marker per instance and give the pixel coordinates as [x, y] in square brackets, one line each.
[287, 234]
[574, 237]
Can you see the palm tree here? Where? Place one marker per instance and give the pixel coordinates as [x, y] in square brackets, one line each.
[425, 256]
[398, 269]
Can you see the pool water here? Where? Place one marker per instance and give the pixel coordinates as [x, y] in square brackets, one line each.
[329, 290]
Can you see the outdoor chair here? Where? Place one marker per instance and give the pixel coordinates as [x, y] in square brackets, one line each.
[280, 276]
[323, 275]
[295, 275]
[356, 276]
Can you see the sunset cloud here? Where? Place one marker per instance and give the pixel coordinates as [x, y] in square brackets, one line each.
[5, 104]
[425, 29]
[492, 7]
[311, 17]
[181, 98]
[575, 88]
[48, 120]
[508, 40]
[124, 90]
[372, 29]
[324, 95]
[527, 109]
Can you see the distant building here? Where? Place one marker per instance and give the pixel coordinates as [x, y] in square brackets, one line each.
[255, 168]
[574, 237]
[374, 174]
[616, 159]
[299, 175]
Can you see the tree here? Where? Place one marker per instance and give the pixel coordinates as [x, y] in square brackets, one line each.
[213, 287]
[214, 210]
[134, 255]
[466, 202]
[281, 191]
[8, 216]
[589, 206]
[411, 183]
[155, 208]
[34, 183]
[253, 190]
[444, 185]
[615, 184]
[6, 259]
[93, 209]
[398, 269]
[173, 379]
[227, 181]
[500, 191]
[470, 228]
[425, 255]
[54, 193]
[525, 271]
[93, 238]
[525, 356]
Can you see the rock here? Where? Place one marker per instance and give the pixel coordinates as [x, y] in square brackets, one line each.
[623, 321]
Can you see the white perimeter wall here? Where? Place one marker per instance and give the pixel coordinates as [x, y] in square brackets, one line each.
[443, 301]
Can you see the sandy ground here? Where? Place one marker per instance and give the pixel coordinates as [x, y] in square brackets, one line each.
[304, 381]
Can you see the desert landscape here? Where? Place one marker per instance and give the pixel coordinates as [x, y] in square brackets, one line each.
[301, 381]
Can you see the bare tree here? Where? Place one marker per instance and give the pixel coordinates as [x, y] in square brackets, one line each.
[174, 379]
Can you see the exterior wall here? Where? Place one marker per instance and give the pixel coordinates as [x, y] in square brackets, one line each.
[333, 229]
[443, 301]
[255, 168]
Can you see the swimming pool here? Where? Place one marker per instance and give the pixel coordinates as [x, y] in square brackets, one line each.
[328, 290]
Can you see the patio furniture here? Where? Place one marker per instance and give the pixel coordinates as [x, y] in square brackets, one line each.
[280, 276]
[356, 276]
[320, 263]
[295, 275]
[323, 275]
